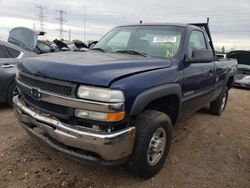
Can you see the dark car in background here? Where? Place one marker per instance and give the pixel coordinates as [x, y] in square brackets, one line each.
[60, 45]
[75, 46]
[242, 79]
[10, 56]
[22, 42]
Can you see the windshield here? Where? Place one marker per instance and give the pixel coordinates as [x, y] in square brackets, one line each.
[156, 41]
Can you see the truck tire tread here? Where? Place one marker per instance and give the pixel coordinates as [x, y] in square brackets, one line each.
[146, 123]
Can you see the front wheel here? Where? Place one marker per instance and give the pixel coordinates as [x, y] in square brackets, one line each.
[12, 92]
[219, 105]
[153, 140]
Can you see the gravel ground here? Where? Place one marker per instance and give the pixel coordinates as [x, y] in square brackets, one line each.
[207, 151]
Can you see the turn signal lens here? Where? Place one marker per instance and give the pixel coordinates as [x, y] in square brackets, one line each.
[116, 116]
[100, 116]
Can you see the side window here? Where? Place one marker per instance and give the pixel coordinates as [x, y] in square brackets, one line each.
[3, 53]
[44, 47]
[120, 41]
[197, 41]
[12, 52]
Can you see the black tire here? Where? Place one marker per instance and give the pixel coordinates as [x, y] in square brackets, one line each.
[218, 106]
[10, 93]
[146, 124]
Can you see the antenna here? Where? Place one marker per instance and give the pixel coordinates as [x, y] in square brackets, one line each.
[34, 26]
[69, 35]
[85, 24]
[61, 20]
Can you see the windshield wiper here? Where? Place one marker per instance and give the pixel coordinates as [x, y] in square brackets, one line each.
[132, 52]
[100, 49]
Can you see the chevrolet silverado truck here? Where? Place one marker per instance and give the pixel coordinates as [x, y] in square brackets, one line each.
[117, 103]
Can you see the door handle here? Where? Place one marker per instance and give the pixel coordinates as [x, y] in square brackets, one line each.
[210, 73]
[6, 66]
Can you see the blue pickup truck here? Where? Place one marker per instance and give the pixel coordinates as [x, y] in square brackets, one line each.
[117, 103]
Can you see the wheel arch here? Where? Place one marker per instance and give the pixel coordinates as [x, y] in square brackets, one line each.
[7, 87]
[229, 80]
[156, 97]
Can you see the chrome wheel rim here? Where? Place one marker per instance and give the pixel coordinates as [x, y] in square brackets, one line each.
[223, 103]
[156, 146]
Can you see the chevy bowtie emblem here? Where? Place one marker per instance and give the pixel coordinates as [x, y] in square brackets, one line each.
[35, 94]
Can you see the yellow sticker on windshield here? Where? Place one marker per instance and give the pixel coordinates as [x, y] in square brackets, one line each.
[169, 54]
[170, 50]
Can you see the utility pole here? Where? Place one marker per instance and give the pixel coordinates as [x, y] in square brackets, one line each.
[41, 16]
[61, 20]
[69, 35]
[85, 24]
[34, 26]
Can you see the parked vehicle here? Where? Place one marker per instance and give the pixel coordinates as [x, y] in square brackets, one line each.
[118, 102]
[92, 44]
[242, 78]
[79, 46]
[61, 46]
[43, 48]
[10, 56]
[75, 46]
[22, 42]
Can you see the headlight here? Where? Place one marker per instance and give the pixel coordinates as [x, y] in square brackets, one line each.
[100, 94]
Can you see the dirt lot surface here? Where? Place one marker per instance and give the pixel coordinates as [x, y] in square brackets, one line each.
[207, 151]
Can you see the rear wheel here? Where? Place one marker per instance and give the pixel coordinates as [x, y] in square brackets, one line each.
[153, 140]
[219, 105]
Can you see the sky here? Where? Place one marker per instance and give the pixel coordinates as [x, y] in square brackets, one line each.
[229, 19]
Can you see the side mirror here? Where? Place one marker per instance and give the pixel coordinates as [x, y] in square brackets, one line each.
[202, 56]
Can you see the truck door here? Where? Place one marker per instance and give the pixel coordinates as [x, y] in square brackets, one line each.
[198, 77]
[7, 68]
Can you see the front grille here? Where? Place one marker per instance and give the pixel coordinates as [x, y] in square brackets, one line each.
[48, 85]
[52, 109]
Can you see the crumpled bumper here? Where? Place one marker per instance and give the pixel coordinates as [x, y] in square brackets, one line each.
[78, 142]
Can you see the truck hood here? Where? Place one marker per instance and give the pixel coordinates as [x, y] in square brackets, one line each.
[92, 67]
[24, 38]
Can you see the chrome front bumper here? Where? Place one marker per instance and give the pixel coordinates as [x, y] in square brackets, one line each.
[110, 147]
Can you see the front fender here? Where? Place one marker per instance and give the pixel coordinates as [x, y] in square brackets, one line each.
[146, 97]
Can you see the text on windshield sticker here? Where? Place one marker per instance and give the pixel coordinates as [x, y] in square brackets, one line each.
[165, 39]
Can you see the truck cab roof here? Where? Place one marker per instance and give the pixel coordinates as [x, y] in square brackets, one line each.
[185, 25]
